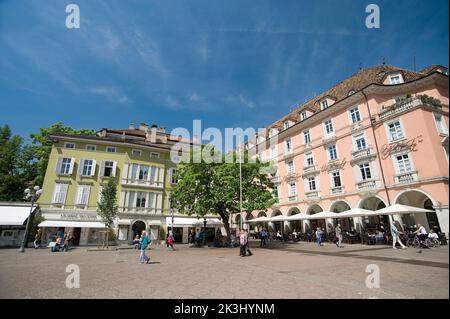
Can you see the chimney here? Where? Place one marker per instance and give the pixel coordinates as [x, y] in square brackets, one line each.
[131, 126]
[143, 127]
[162, 130]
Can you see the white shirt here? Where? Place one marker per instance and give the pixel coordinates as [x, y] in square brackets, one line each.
[422, 231]
[433, 235]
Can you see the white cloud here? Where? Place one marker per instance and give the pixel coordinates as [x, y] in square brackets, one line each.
[111, 94]
[195, 97]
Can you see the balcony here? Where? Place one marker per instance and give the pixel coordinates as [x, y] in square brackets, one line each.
[366, 153]
[288, 155]
[408, 104]
[356, 126]
[275, 179]
[311, 169]
[141, 183]
[140, 210]
[312, 195]
[366, 185]
[405, 178]
[337, 190]
[329, 138]
[291, 176]
[308, 146]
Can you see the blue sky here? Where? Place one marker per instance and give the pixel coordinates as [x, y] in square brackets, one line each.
[233, 63]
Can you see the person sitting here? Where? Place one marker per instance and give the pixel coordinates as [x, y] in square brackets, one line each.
[279, 236]
[379, 237]
[421, 232]
[136, 242]
[294, 235]
[58, 245]
[433, 235]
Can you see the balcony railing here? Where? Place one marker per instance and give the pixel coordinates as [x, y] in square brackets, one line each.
[337, 190]
[291, 176]
[288, 155]
[366, 185]
[404, 178]
[356, 126]
[312, 195]
[140, 210]
[329, 138]
[275, 179]
[408, 104]
[141, 183]
[310, 169]
[363, 154]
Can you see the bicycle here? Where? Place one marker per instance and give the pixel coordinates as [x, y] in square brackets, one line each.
[418, 243]
[434, 242]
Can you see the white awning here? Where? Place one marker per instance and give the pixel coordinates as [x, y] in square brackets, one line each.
[186, 221]
[14, 215]
[398, 209]
[65, 223]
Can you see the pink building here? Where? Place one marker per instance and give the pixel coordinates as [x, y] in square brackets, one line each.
[378, 138]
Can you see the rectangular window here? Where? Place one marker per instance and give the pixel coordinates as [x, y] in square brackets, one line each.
[328, 127]
[91, 148]
[395, 131]
[360, 142]
[88, 167]
[137, 153]
[290, 167]
[323, 104]
[292, 189]
[154, 155]
[288, 146]
[273, 151]
[365, 171]
[60, 192]
[309, 159]
[440, 123]
[109, 168]
[69, 145]
[286, 125]
[336, 178]
[140, 199]
[332, 152]
[312, 183]
[307, 137]
[354, 115]
[303, 116]
[111, 149]
[83, 195]
[143, 172]
[173, 173]
[66, 166]
[403, 163]
[395, 79]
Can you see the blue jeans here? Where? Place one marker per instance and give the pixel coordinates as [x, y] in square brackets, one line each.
[318, 240]
[143, 257]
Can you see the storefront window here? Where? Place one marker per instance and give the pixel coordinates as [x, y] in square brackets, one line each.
[93, 236]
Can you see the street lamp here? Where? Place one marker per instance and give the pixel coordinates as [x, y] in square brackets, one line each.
[34, 195]
[204, 230]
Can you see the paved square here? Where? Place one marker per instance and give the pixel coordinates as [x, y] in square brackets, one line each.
[300, 270]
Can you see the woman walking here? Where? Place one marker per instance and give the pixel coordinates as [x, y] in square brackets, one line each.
[144, 243]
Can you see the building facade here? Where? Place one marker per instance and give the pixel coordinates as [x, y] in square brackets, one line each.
[139, 159]
[376, 139]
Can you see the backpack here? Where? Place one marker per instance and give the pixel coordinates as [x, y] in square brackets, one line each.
[170, 240]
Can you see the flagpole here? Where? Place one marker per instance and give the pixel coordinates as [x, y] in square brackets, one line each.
[240, 180]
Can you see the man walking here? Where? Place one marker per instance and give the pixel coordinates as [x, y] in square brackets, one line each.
[242, 243]
[395, 237]
[145, 242]
[338, 235]
[263, 235]
[318, 236]
[247, 247]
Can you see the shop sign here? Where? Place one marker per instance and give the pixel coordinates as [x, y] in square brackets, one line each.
[402, 146]
[78, 216]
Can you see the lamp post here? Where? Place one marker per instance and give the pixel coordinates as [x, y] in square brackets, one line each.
[204, 230]
[34, 195]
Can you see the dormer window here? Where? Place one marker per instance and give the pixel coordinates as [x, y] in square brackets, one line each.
[286, 125]
[351, 92]
[396, 78]
[323, 104]
[303, 116]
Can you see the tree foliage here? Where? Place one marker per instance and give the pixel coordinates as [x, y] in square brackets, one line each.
[214, 188]
[107, 207]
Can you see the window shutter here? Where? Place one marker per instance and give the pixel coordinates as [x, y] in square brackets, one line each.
[72, 164]
[159, 201]
[102, 169]
[113, 174]
[80, 167]
[100, 189]
[147, 199]
[58, 165]
[62, 193]
[161, 176]
[94, 163]
[56, 193]
[122, 199]
[125, 171]
[86, 192]
[132, 200]
[79, 195]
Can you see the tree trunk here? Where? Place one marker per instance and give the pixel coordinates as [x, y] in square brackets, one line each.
[226, 224]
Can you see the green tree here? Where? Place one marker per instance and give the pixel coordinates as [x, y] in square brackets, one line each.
[214, 188]
[107, 207]
[41, 146]
[12, 182]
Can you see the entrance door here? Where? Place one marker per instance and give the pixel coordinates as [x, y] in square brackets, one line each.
[137, 228]
[76, 236]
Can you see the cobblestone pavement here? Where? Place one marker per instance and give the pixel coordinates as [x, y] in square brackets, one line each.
[300, 270]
